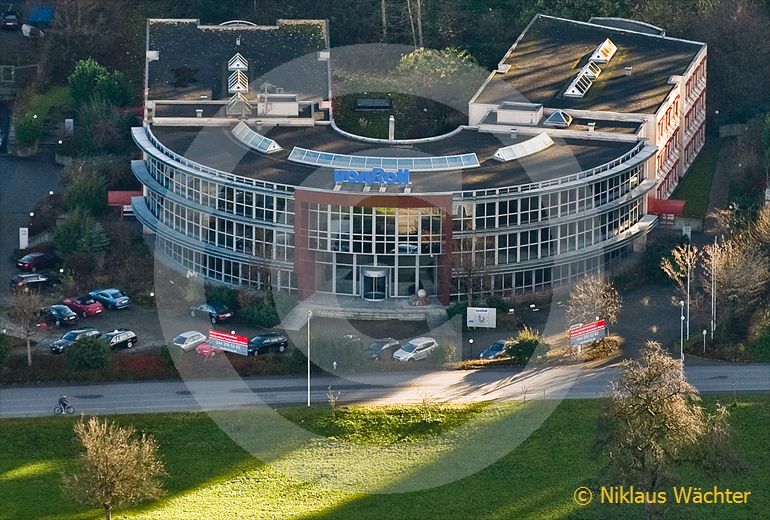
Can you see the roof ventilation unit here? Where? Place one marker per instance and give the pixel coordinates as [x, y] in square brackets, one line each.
[592, 70]
[516, 151]
[579, 85]
[604, 52]
[559, 119]
[238, 83]
[238, 106]
[237, 62]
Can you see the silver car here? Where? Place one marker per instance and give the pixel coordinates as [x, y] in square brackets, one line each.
[416, 349]
[189, 340]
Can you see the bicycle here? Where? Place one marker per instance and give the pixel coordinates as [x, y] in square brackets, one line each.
[61, 410]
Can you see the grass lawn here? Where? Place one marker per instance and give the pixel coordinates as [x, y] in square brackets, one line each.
[212, 477]
[695, 188]
[54, 99]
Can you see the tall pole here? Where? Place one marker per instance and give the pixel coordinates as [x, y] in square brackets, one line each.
[681, 330]
[714, 289]
[689, 267]
[309, 315]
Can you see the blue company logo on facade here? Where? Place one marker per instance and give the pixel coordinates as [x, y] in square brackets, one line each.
[373, 176]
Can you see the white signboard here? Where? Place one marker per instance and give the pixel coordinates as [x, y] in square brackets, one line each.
[481, 317]
[23, 238]
[687, 232]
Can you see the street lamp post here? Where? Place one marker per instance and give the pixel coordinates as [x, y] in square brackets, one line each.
[309, 315]
[681, 329]
[689, 267]
[714, 290]
[704, 341]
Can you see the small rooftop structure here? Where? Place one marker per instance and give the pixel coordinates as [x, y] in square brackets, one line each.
[195, 60]
[559, 119]
[545, 58]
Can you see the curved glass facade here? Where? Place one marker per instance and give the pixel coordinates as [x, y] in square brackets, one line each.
[244, 232]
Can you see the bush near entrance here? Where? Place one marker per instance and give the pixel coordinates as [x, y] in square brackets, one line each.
[89, 355]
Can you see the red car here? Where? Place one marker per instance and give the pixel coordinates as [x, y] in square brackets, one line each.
[84, 306]
[206, 350]
[34, 261]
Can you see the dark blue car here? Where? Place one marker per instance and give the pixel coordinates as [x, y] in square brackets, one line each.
[496, 350]
[110, 298]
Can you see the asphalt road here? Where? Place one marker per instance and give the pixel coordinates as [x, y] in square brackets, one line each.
[567, 382]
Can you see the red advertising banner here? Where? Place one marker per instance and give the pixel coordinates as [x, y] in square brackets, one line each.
[588, 328]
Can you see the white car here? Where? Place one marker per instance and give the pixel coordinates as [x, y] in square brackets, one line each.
[189, 340]
[415, 350]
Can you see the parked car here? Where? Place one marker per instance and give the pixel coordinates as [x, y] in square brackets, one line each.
[382, 348]
[269, 341]
[84, 305]
[496, 350]
[216, 313]
[120, 338]
[206, 350]
[11, 20]
[35, 261]
[189, 340]
[58, 315]
[415, 350]
[58, 346]
[111, 298]
[27, 281]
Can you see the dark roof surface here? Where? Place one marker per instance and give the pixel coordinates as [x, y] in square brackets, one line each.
[552, 51]
[284, 55]
[217, 148]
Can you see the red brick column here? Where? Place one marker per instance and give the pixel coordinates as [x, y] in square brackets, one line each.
[304, 258]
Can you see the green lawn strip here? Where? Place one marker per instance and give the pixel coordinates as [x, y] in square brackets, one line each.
[695, 187]
[54, 102]
[211, 477]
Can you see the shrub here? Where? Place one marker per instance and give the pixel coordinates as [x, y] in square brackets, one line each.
[84, 80]
[458, 309]
[103, 129]
[28, 130]
[258, 308]
[522, 348]
[86, 189]
[222, 295]
[444, 353]
[89, 355]
[165, 356]
[497, 302]
[113, 88]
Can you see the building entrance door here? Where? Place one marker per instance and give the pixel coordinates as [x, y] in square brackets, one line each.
[375, 284]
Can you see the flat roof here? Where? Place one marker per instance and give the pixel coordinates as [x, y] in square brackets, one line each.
[193, 58]
[551, 51]
[217, 148]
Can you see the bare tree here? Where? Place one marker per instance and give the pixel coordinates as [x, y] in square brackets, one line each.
[760, 228]
[680, 269]
[117, 467]
[420, 42]
[653, 422]
[384, 15]
[681, 265]
[79, 24]
[410, 12]
[738, 270]
[470, 268]
[25, 312]
[594, 297]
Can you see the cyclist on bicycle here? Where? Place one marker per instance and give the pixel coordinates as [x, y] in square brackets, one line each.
[64, 402]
